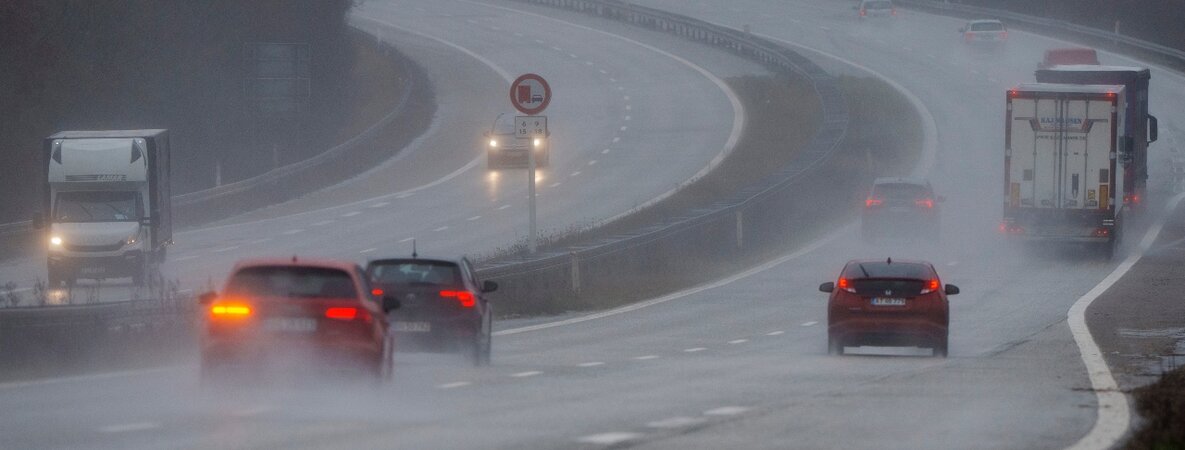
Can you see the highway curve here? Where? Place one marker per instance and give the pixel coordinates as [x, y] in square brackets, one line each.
[738, 364]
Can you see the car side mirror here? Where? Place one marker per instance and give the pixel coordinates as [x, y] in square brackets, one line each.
[489, 286]
[38, 221]
[391, 303]
[827, 287]
[952, 289]
[1153, 131]
[207, 298]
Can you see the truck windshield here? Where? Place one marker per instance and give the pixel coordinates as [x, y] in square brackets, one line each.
[97, 206]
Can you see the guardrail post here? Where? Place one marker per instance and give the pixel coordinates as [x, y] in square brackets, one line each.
[575, 263]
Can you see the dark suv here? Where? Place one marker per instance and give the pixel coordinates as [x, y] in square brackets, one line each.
[888, 303]
[442, 308]
[900, 207]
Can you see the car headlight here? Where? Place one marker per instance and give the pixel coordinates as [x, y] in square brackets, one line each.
[493, 143]
[131, 240]
[55, 241]
[538, 142]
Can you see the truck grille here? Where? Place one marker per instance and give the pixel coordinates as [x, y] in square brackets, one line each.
[94, 248]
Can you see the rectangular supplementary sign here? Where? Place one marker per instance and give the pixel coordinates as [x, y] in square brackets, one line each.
[526, 127]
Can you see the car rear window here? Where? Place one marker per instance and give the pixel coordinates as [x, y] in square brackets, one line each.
[900, 191]
[987, 26]
[411, 273]
[286, 281]
[887, 270]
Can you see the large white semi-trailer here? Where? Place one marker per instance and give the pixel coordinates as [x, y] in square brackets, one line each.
[1064, 157]
[106, 204]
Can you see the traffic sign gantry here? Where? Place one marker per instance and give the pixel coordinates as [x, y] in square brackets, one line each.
[530, 94]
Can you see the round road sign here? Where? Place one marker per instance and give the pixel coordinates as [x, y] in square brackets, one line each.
[530, 94]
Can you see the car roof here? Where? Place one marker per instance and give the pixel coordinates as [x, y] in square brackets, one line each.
[415, 259]
[985, 21]
[296, 262]
[901, 180]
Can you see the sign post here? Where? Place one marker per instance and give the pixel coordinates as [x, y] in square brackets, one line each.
[530, 95]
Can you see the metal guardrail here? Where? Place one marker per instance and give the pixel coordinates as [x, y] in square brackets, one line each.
[1045, 23]
[522, 278]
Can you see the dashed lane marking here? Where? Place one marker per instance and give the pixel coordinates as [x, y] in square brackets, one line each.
[473, 218]
[226, 249]
[809, 324]
[609, 438]
[726, 411]
[774, 333]
[503, 207]
[441, 228]
[646, 357]
[605, 151]
[292, 232]
[129, 427]
[623, 128]
[368, 250]
[260, 241]
[616, 139]
[591, 364]
[694, 349]
[556, 184]
[529, 373]
[592, 163]
[406, 239]
[738, 341]
[453, 385]
[575, 174]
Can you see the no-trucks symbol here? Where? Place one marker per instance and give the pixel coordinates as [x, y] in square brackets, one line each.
[530, 94]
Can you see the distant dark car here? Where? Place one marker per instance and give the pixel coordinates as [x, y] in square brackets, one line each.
[297, 314]
[984, 33]
[888, 303]
[1068, 56]
[442, 305]
[506, 150]
[900, 208]
[875, 8]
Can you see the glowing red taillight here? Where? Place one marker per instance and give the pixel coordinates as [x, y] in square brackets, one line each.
[925, 203]
[870, 202]
[1102, 232]
[465, 297]
[341, 313]
[230, 310]
[846, 285]
[932, 286]
[376, 292]
[1131, 199]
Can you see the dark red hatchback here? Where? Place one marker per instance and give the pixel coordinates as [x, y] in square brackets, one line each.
[318, 314]
[888, 303]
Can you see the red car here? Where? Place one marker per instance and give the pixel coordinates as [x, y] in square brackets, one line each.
[288, 312]
[888, 303]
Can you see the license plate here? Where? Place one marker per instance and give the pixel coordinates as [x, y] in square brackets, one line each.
[93, 270]
[415, 327]
[884, 301]
[290, 325]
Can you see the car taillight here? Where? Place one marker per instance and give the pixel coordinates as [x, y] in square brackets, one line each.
[1011, 228]
[341, 313]
[465, 297]
[376, 292]
[863, 12]
[932, 286]
[893, 11]
[846, 285]
[230, 310]
[1131, 199]
[870, 202]
[925, 203]
[1102, 232]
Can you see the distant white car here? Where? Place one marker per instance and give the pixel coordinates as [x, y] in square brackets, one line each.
[875, 8]
[505, 150]
[984, 32]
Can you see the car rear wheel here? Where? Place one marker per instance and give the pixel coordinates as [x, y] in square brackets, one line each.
[834, 345]
[940, 348]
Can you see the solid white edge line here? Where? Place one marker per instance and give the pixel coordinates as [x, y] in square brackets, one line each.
[1114, 415]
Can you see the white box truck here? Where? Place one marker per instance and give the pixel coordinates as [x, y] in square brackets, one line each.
[1063, 169]
[106, 204]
